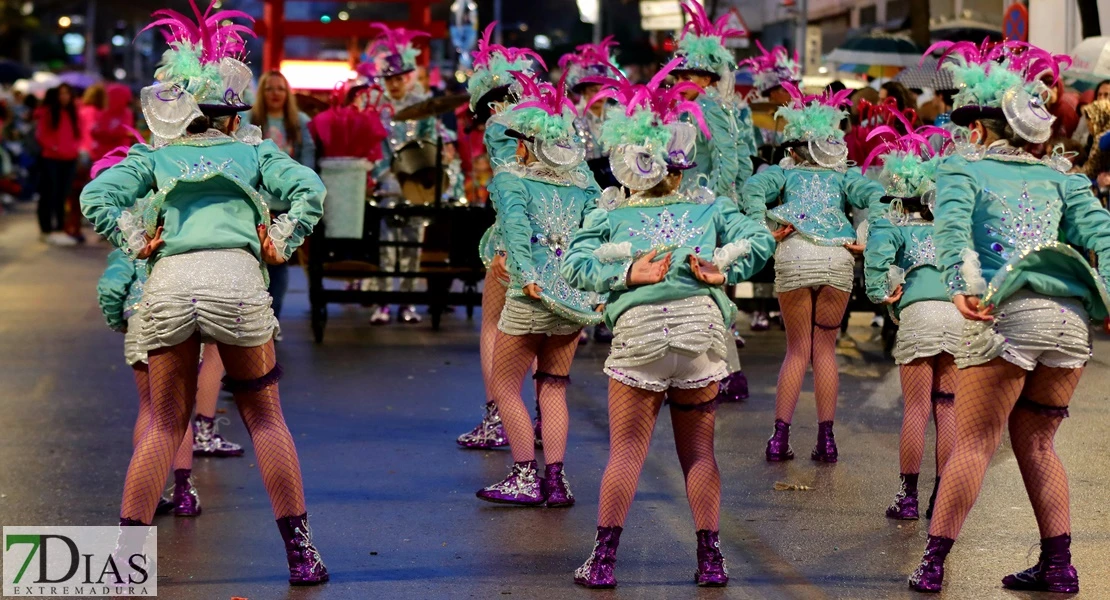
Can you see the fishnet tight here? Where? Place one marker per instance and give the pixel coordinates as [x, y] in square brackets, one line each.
[986, 397]
[921, 378]
[261, 413]
[513, 355]
[493, 301]
[172, 378]
[812, 318]
[209, 381]
[632, 415]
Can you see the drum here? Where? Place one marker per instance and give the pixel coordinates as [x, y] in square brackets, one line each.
[414, 164]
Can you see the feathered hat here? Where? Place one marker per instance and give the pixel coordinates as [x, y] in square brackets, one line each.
[544, 118]
[588, 60]
[645, 130]
[390, 52]
[494, 66]
[814, 122]
[201, 73]
[771, 69]
[1003, 81]
[909, 160]
[701, 46]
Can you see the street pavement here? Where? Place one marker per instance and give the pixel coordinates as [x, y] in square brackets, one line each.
[375, 412]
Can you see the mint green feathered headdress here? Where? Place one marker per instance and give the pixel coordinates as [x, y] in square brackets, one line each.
[494, 66]
[1004, 80]
[701, 46]
[811, 118]
[544, 118]
[909, 160]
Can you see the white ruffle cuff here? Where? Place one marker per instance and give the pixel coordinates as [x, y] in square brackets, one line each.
[281, 229]
[726, 255]
[132, 233]
[972, 273]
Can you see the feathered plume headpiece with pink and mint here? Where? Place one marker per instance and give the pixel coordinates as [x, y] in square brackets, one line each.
[391, 51]
[544, 118]
[702, 44]
[910, 159]
[771, 69]
[494, 66]
[813, 117]
[588, 60]
[201, 73]
[651, 129]
[1003, 80]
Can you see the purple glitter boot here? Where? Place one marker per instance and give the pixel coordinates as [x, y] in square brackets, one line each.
[1052, 573]
[778, 447]
[207, 440]
[905, 502]
[826, 444]
[489, 433]
[522, 486]
[305, 565]
[185, 498]
[733, 388]
[555, 487]
[165, 506]
[597, 571]
[712, 571]
[929, 576]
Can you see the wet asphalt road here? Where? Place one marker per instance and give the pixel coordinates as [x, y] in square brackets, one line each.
[375, 412]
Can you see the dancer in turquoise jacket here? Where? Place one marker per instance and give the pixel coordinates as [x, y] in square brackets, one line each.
[1008, 225]
[206, 232]
[662, 255]
[901, 271]
[493, 90]
[814, 266]
[541, 201]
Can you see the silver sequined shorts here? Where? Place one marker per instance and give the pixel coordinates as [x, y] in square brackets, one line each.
[679, 343]
[675, 370]
[799, 263]
[1030, 329]
[926, 329]
[218, 293]
[133, 353]
[523, 317]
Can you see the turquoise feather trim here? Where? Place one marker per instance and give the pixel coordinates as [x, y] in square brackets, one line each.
[982, 84]
[539, 124]
[640, 129]
[181, 64]
[498, 73]
[907, 175]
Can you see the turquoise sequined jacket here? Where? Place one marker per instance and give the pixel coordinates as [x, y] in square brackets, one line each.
[692, 222]
[1007, 222]
[814, 200]
[902, 253]
[502, 151]
[205, 190]
[540, 213]
[120, 289]
[723, 160]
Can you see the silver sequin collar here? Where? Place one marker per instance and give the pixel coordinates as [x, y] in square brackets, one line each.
[542, 173]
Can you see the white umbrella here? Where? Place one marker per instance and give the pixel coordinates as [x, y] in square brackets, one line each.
[1091, 60]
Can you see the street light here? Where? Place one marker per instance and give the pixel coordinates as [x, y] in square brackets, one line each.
[64, 22]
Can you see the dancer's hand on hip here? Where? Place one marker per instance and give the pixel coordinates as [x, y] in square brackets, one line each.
[497, 268]
[533, 291]
[705, 271]
[152, 245]
[646, 272]
[972, 309]
[270, 255]
[782, 233]
[895, 296]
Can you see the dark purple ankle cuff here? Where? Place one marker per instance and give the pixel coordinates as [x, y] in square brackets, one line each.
[541, 375]
[945, 398]
[181, 476]
[236, 386]
[1054, 412]
[1056, 544]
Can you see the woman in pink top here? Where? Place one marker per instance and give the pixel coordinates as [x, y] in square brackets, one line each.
[59, 135]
